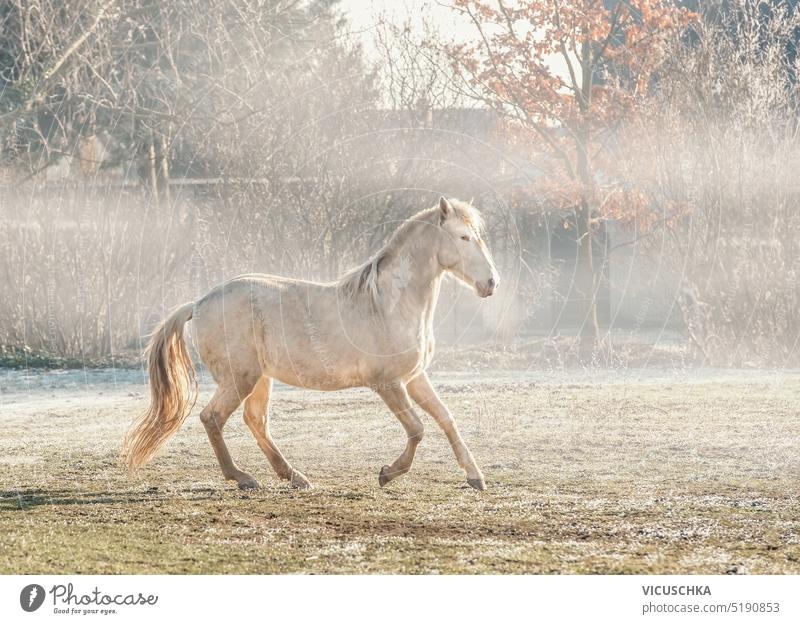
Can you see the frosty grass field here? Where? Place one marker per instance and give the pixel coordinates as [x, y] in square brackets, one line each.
[588, 472]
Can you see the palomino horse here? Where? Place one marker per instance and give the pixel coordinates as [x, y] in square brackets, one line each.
[373, 328]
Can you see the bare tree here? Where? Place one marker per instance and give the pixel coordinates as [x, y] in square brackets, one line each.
[255, 99]
[719, 158]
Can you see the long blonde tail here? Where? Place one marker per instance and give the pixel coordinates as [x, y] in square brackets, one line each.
[173, 391]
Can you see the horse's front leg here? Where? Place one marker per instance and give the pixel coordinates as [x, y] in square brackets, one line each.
[421, 390]
[396, 398]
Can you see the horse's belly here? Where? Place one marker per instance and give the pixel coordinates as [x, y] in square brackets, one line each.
[313, 382]
[314, 369]
[343, 368]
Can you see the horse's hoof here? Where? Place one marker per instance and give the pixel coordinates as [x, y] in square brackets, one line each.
[383, 477]
[478, 483]
[248, 484]
[299, 481]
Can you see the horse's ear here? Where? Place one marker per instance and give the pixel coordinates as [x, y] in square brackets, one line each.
[445, 209]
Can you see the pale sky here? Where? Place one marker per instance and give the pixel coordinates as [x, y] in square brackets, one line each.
[363, 14]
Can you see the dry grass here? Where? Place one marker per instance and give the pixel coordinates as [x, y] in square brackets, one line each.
[661, 477]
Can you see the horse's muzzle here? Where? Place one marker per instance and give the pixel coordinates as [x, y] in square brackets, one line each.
[487, 288]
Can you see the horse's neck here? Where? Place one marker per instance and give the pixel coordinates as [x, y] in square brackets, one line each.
[410, 283]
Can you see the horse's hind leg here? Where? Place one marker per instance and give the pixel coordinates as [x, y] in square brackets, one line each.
[214, 416]
[397, 399]
[256, 415]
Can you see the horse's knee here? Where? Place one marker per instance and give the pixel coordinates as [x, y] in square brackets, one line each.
[416, 431]
[447, 424]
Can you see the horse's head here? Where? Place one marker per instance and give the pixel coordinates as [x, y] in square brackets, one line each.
[462, 250]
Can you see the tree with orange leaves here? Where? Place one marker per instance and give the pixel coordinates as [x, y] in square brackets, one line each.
[610, 51]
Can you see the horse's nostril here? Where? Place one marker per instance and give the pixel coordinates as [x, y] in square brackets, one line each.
[491, 282]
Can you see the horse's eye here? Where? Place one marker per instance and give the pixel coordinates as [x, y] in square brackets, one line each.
[465, 238]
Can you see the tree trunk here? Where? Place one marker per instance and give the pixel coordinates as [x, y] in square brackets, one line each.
[586, 272]
[164, 171]
[586, 279]
[152, 169]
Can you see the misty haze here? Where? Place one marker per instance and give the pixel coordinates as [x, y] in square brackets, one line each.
[592, 207]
